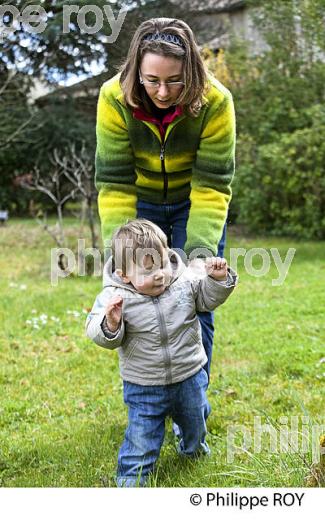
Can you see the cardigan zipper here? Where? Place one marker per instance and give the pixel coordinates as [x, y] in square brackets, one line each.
[163, 169]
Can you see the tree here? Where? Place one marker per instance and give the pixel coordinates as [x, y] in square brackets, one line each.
[78, 167]
[279, 85]
[278, 95]
[19, 130]
[55, 54]
[53, 187]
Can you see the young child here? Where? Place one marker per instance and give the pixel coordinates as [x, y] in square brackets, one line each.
[147, 310]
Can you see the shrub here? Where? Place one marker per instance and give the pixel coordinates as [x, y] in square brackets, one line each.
[280, 187]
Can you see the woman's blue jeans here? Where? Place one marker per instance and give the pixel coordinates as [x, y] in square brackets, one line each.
[172, 219]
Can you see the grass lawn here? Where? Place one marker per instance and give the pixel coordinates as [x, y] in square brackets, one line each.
[62, 416]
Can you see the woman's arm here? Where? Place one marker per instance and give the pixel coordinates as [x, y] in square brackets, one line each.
[115, 175]
[212, 174]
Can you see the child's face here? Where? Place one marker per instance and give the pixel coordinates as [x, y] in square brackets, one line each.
[150, 277]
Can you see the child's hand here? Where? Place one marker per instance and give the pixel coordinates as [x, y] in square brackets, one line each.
[114, 313]
[217, 268]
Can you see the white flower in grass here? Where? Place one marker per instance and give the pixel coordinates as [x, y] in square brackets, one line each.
[12, 284]
[76, 314]
[23, 287]
[40, 321]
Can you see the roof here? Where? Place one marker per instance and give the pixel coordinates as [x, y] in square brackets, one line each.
[211, 6]
[84, 88]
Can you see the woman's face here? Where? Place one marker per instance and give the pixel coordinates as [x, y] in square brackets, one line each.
[162, 69]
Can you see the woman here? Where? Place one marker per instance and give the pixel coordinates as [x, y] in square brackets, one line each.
[165, 144]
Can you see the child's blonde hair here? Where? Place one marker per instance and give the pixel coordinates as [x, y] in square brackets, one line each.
[138, 234]
[194, 73]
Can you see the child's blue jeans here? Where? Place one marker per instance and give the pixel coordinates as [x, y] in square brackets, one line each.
[172, 219]
[149, 406]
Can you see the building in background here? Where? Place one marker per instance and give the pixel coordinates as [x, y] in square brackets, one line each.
[218, 21]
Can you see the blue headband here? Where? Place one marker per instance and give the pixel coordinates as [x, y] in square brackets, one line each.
[163, 37]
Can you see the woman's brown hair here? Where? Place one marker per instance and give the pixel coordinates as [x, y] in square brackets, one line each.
[194, 73]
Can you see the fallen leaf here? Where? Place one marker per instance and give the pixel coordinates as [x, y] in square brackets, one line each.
[230, 392]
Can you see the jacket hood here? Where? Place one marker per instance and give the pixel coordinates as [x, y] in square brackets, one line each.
[111, 279]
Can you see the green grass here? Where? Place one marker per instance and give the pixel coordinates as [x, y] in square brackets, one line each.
[62, 416]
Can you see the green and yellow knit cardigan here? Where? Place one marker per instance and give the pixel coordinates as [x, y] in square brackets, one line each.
[196, 159]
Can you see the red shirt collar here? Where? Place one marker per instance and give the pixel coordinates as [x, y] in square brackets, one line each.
[140, 113]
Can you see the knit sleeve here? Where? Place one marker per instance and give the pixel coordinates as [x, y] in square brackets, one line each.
[212, 174]
[115, 175]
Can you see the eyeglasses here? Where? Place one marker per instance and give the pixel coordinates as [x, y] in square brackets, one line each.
[157, 84]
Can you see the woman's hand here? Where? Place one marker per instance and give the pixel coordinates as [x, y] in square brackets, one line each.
[114, 313]
[217, 268]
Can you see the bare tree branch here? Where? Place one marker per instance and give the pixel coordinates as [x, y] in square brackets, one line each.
[52, 187]
[77, 167]
[7, 81]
